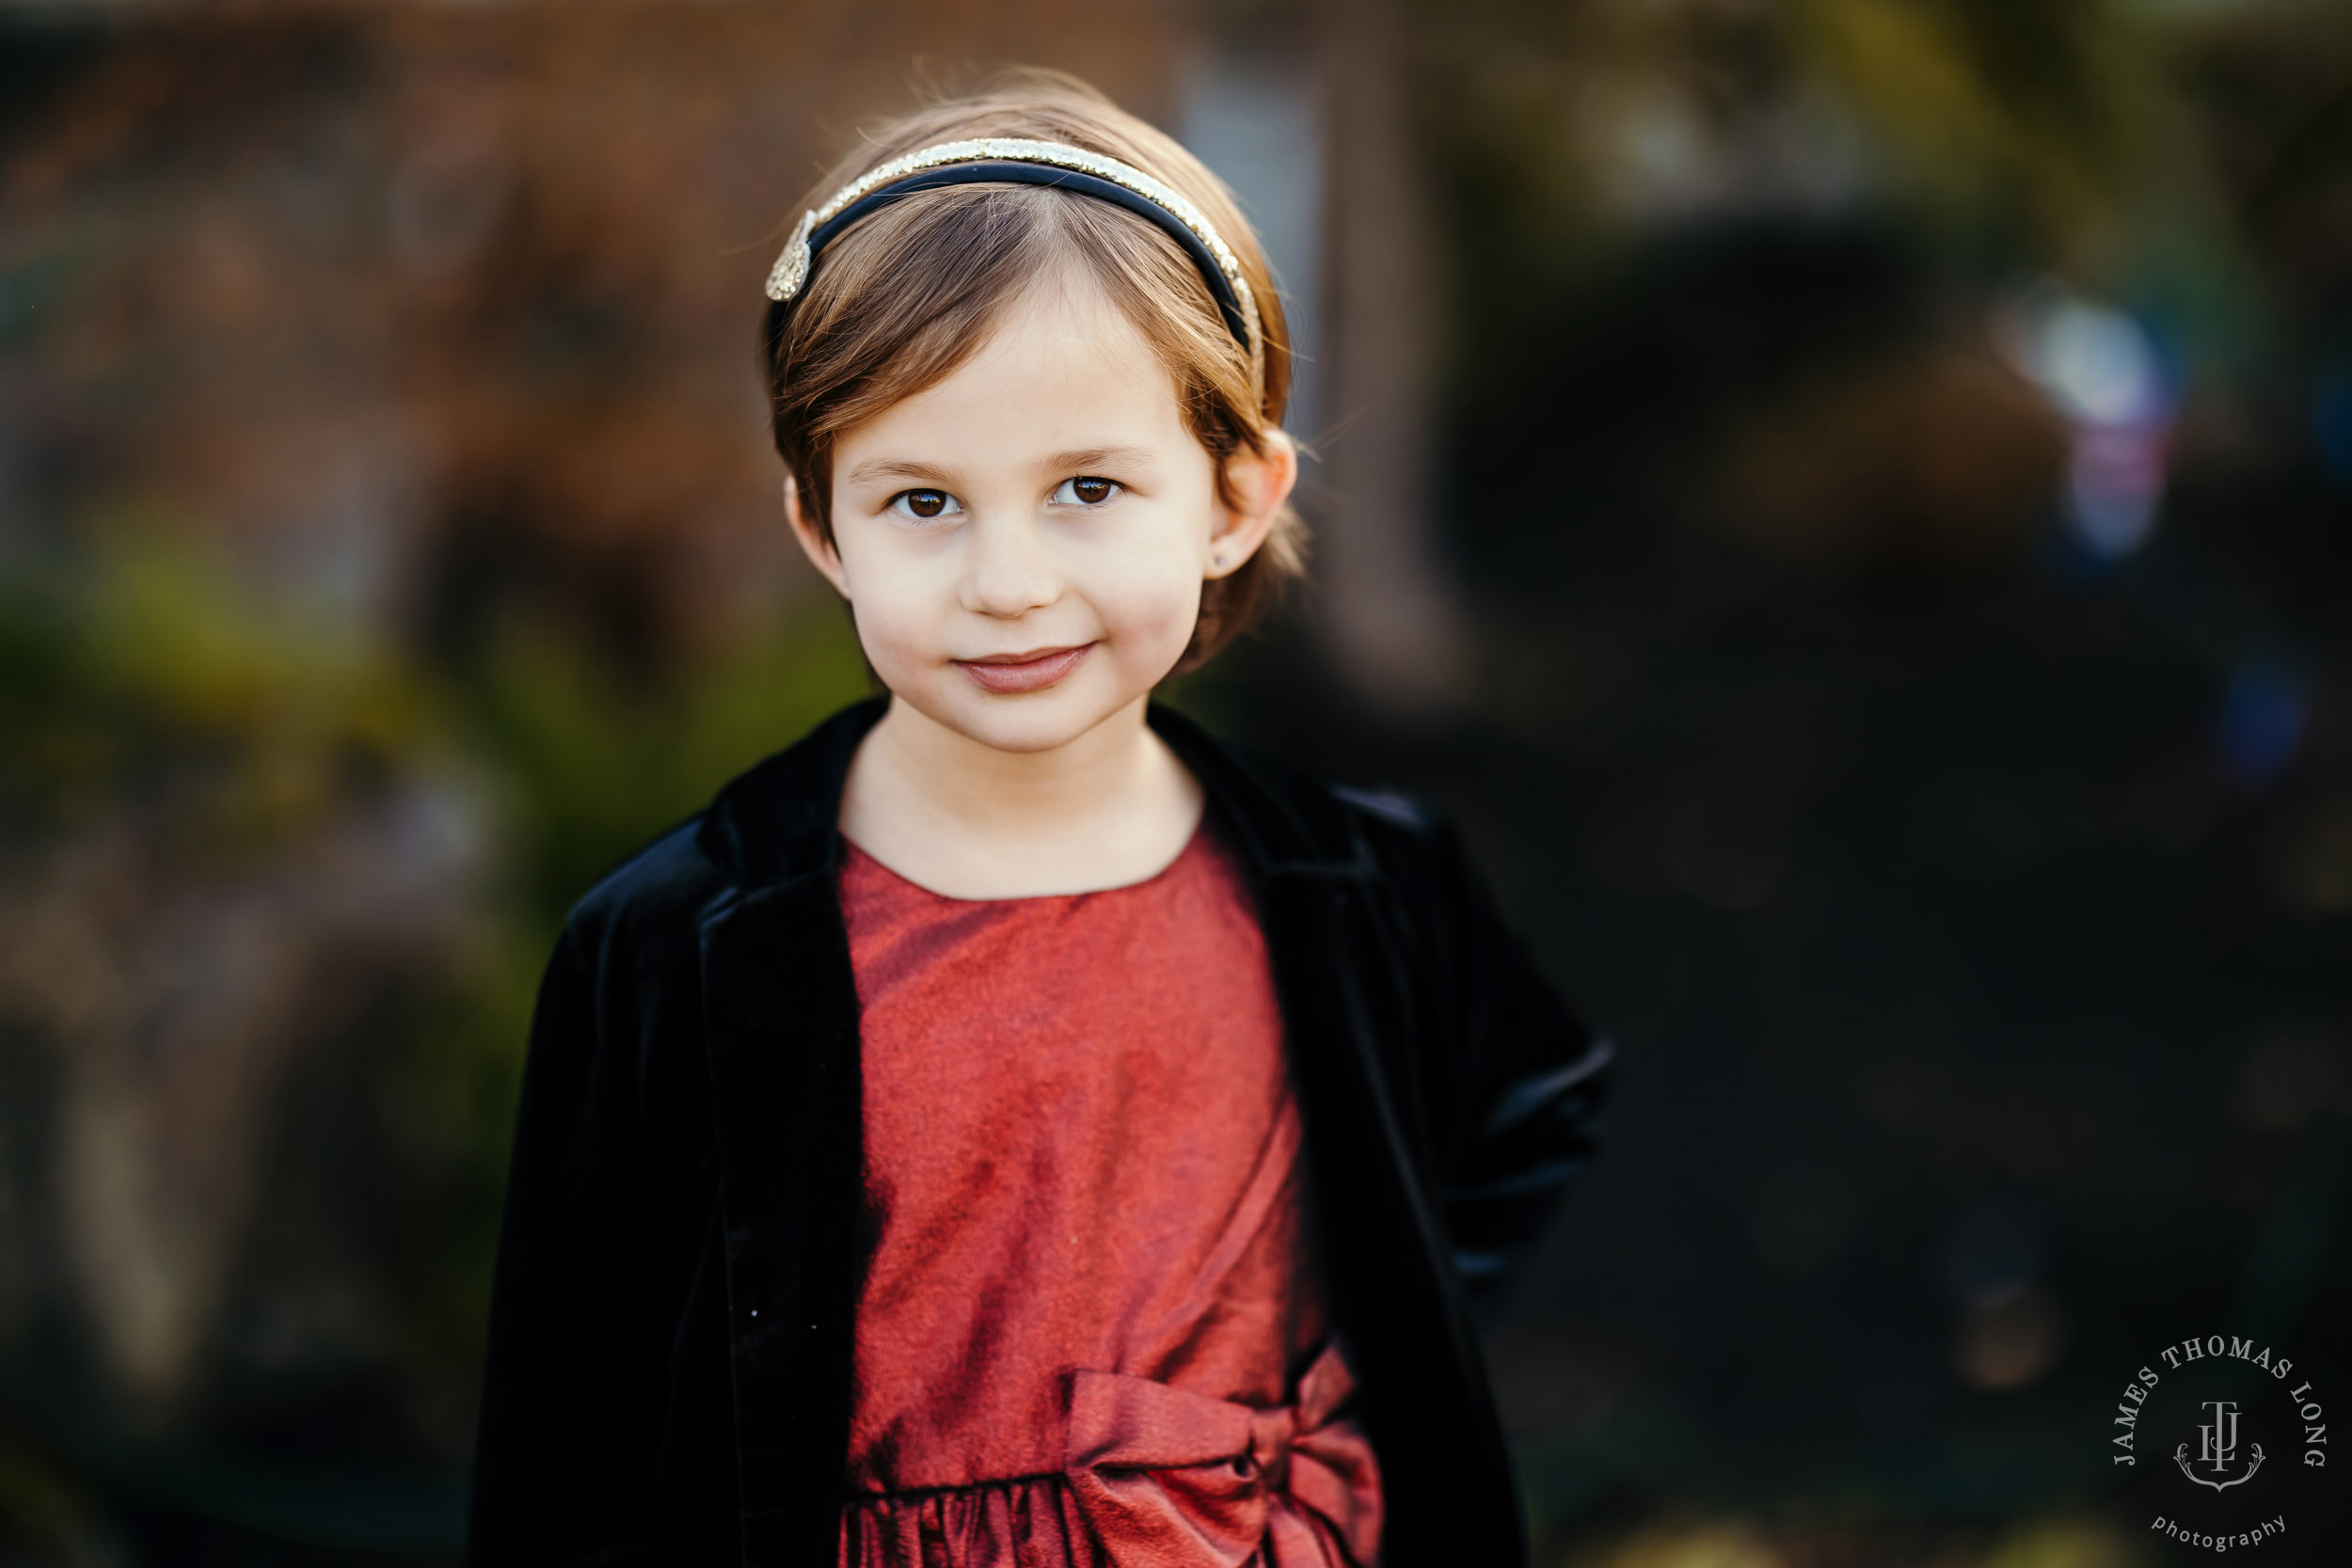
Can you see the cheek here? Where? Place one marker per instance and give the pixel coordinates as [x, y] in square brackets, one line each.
[901, 613]
[1149, 598]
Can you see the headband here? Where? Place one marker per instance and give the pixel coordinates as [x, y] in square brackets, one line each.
[1022, 161]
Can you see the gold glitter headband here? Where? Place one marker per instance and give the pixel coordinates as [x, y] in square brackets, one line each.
[1020, 160]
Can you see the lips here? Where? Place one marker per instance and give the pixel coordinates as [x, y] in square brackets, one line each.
[1033, 671]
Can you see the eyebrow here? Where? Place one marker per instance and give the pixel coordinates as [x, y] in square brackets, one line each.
[893, 468]
[1101, 457]
[1079, 461]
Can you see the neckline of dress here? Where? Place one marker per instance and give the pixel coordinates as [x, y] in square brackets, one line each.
[1194, 840]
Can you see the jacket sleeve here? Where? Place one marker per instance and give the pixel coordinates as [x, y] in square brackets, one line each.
[596, 1267]
[1524, 1087]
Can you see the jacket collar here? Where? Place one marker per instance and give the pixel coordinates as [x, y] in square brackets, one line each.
[779, 820]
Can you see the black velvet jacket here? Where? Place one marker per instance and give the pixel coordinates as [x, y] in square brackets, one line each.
[669, 1375]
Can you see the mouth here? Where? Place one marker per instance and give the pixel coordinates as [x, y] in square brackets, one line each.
[1033, 671]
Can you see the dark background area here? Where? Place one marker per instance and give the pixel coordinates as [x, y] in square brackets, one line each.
[1849, 502]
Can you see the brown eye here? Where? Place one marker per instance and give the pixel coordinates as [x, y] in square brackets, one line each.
[924, 504]
[1086, 491]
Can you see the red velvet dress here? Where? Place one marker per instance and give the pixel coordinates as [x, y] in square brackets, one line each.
[1091, 1331]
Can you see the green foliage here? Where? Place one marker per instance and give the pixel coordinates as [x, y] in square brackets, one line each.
[150, 690]
[139, 672]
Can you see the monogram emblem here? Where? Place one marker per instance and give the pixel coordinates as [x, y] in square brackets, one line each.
[2217, 1449]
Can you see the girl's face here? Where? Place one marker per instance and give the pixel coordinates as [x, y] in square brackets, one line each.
[1023, 545]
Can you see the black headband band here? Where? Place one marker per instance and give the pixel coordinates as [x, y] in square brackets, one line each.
[1220, 288]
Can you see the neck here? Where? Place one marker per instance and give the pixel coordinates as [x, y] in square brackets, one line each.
[958, 779]
[1107, 808]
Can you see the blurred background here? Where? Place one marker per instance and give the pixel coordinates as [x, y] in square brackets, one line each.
[1851, 501]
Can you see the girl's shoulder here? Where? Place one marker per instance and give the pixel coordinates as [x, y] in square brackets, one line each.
[1293, 818]
[668, 885]
[768, 824]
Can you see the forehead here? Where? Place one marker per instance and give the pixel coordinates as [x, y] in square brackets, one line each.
[1060, 367]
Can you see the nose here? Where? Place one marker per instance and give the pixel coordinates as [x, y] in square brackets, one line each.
[1009, 569]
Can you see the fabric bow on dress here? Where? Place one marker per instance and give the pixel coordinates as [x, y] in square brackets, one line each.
[1178, 1480]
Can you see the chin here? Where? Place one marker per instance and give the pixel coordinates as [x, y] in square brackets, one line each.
[1030, 723]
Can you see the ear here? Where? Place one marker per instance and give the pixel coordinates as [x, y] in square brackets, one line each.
[814, 544]
[1260, 484]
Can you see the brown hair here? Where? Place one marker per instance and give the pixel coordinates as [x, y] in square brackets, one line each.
[906, 295]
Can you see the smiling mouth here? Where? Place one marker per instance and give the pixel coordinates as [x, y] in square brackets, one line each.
[1030, 672]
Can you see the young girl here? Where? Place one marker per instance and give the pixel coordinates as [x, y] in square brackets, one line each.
[1009, 1127]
